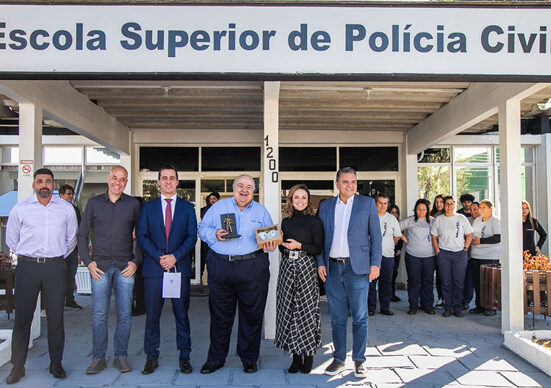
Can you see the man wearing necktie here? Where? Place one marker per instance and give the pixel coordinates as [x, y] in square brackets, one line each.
[167, 233]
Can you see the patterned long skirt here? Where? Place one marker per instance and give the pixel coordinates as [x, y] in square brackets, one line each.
[298, 327]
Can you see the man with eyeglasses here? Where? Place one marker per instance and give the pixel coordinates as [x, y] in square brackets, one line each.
[238, 275]
[67, 193]
[111, 217]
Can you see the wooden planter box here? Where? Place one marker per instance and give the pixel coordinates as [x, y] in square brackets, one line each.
[537, 289]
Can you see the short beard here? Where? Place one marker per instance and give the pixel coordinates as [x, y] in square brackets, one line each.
[44, 193]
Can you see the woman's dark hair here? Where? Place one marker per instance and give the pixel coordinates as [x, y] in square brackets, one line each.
[392, 207]
[421, 201]
[434, 209]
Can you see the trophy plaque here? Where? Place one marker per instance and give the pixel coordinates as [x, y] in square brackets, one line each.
[268, 233]
[228, 224]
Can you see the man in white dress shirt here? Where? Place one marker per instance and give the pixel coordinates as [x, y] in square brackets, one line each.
[41, 231]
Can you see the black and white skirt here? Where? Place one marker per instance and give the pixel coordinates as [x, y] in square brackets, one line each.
[298, 327]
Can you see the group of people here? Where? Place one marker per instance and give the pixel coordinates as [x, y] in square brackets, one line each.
[350, 244]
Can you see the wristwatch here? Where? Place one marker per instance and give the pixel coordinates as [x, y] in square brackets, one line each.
[465, 249]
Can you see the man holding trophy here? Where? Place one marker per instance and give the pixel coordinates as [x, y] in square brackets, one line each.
[238, 274]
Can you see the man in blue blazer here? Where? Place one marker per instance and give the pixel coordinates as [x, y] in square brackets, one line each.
[349, 261]
[167, 232]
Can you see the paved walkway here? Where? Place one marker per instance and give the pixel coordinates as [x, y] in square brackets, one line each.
[411, 351]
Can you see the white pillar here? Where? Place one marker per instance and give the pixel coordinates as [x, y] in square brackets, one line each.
[543, 185]
[30, 150]
[272, 192]
[410, 176]
[512, 303]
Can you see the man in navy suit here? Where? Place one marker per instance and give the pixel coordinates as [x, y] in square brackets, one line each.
[349, 261]
[167, 232]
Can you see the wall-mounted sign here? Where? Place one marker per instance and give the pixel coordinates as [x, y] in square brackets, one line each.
[292, 40]
[26, 167]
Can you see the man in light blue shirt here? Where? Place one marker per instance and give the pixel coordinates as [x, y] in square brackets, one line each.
[41, 231]
[238, 274]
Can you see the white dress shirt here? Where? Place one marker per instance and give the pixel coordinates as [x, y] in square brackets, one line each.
[339, 245]
[36, 230]
[172, 205]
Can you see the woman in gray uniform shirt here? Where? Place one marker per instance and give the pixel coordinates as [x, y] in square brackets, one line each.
[420, 257]
[451, 238]
[485, 248]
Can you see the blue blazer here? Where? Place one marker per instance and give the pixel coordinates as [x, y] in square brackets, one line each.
[364, 234]
[150, 233]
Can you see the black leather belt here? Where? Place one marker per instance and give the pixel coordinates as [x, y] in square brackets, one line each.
[40, 260]
[339, 260]
[248, 256]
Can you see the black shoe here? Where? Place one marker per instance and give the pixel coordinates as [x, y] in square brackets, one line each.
[395, 299]
[15, 375]
[371, 313]
[57, 370]
[249, 367]
[447, 313]
[150, 366]
[429, 311]
[464, 306]
[71, 304]
[185, 366]
[334, 368]
[477, 310]
[296, 364]
[458, 314]
[387, 312]
[412, 311]
[210, 367]
[307, 364]
[489, 313]
[137, 312]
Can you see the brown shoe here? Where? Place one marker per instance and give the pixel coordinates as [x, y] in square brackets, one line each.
[95, 367]
[121, 364]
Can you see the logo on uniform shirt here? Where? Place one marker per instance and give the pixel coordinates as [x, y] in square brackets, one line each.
[483, 230]
[457, 229]
[384, 229]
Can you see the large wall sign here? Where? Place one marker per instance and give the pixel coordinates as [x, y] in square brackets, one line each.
[275, 40]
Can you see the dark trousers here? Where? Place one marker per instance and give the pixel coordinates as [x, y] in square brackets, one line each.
[385, 286]
[468, 290]
[474, 266]
[154, 303]
[438, 282]
[242, 284]
[420, 277]
[395, 273]
[452, 267]
[71, 262]
[30, 279]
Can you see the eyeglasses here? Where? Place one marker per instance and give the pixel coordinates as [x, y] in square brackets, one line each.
[69, 194]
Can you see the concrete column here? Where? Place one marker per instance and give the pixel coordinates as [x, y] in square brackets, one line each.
[543, 185]
[410, 175]
[30, 149]
[272, 192]
[512, 317]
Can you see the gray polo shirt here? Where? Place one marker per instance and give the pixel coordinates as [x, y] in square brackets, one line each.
[451, 231]
[419, 237]
[485, 229]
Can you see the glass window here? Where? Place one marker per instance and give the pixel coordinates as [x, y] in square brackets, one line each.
[230, 159]
[473, 180]
[472, 155]
[528, 184]
[527, 155]
[62, 155]
[436, 155]
[369, 158]
[10, 155]
[371, 188]
[208, 186]
[183, 158]
[307, 158]
[101, 155]
[312, 185]
[186, 190]
[433, 180]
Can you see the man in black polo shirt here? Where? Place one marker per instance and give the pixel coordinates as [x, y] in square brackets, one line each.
[111, 217]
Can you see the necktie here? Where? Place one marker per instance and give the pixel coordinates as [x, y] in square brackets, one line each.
[168, 218]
